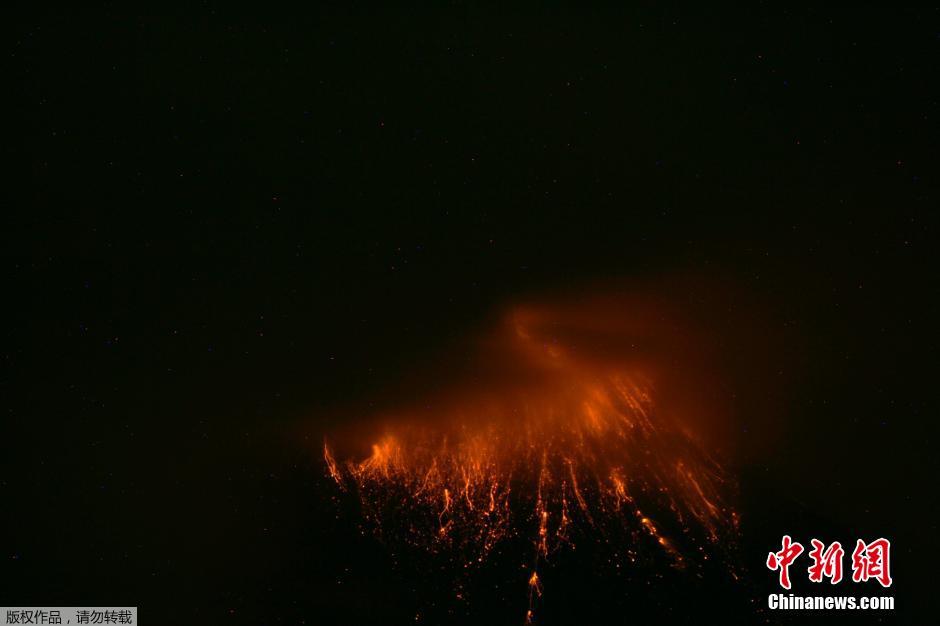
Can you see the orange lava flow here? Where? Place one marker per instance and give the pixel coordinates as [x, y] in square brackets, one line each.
[574, 448]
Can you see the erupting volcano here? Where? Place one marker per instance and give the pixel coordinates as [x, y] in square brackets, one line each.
[567, 442]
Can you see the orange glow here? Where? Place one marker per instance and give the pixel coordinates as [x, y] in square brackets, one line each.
[566, 440]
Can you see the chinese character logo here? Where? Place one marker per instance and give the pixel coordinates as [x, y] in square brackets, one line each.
[869, 561]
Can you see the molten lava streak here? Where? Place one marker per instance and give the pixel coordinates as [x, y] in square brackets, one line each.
[573, 449]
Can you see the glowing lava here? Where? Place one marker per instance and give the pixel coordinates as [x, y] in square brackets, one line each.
[567, 446]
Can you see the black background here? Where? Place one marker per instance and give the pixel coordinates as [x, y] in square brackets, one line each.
[225, 225]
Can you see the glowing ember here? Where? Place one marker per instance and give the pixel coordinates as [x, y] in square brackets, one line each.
[576, 447]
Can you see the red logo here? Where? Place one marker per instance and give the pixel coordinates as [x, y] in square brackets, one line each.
[869, 561]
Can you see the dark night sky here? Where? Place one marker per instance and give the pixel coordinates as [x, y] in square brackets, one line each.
[225, 225]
